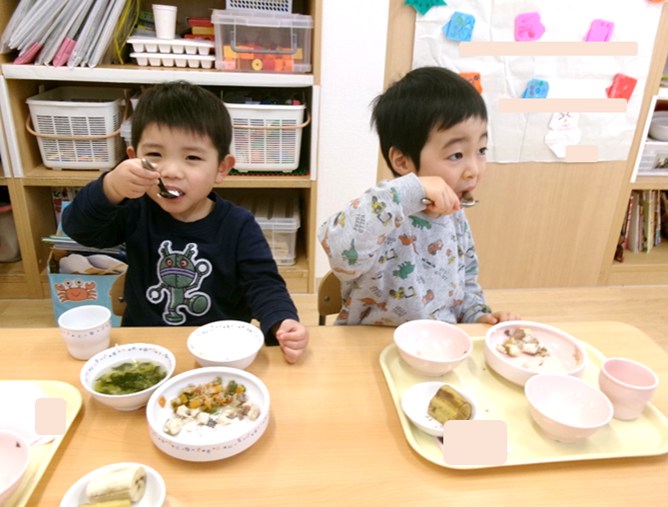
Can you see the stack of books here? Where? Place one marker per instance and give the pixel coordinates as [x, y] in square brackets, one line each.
[641, 231]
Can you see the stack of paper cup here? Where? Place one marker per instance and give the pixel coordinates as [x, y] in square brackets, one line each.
[165, 21]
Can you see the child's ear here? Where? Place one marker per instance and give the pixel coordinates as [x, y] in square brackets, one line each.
[401, 163]
[225, 166]
[131, 152]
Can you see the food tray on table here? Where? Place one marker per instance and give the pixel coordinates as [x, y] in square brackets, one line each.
[499, 399]
[41, 455]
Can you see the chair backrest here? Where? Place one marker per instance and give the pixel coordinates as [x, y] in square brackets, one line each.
[329, 297]
[118, 303]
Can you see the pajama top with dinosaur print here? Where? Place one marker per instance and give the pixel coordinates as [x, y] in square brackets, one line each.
[397, 264]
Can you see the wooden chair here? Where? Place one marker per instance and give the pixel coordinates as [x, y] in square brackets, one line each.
[118, 303]
[329, 297]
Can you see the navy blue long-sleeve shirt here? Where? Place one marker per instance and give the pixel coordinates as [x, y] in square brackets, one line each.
[185, 273]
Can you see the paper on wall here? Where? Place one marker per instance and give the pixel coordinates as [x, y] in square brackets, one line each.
[520, 137]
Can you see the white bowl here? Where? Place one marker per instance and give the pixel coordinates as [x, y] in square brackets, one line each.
[432, 347]
[230, 343]
[15, 458]
[415, 404]
[86, 330]
[567, 408]
[658, 127]
[211, 445]
[123, 353]
[566, 354]
[154, 496]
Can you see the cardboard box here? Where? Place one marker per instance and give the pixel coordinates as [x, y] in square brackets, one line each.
[70, 291]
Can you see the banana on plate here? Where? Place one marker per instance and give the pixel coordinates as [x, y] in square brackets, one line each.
[111, 503]
[123, 484]
[448, 405]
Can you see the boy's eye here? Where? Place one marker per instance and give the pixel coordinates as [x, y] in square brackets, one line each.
[483, 151]
[193, 157]
[456, 156]
[153, 154]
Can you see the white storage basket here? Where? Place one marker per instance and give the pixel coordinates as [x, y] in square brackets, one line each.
[78, 127]
[260, 5]
[266, 137]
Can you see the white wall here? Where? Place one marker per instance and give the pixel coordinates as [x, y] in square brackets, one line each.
[354, 37]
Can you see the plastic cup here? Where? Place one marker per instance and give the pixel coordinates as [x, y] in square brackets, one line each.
[164, 17]
[86, 330]
[629, 386]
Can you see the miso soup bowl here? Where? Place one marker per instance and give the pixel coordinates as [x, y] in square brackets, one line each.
[97, 365]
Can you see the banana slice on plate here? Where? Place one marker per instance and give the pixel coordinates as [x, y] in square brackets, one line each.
[122, 484]
[117, 485]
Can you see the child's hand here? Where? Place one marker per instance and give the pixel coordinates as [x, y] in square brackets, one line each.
[439, 192]
[496, 317]
[293, 338]
[129, 180]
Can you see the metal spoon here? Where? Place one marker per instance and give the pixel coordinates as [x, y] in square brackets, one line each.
[467, 201]
[164, 191]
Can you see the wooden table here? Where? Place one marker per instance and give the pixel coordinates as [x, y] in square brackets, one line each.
[334, 437]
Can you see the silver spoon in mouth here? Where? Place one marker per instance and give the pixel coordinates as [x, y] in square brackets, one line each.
[164, 191]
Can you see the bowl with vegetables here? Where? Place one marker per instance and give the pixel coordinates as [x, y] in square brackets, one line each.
[208, 414]
[125, 376]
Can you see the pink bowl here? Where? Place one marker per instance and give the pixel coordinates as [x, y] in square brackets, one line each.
[567, 408]
[14, 460]
[432, 347]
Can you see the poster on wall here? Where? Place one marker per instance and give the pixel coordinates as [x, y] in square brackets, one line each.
[542, 137]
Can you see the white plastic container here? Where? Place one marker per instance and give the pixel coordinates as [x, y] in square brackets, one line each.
[262, 41]
[257, 143]
[126, 132]
[176, 46]
[9, 241]
[78, 127]
[260, 5]
[278, 216]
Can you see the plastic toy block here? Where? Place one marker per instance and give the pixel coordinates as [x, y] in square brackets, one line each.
[473, 78]
[299, 54]
[288, 66]
[528, 27]
[536, 89]
[460, 27]
[279, 65]
[600, 31]
[423, 6]
[269, 64]
[622, 87]
[228, 53]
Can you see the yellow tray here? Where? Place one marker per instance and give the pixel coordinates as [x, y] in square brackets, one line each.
[40, 455]
[499, 399]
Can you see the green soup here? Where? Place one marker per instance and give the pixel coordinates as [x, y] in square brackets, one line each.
[129, 377]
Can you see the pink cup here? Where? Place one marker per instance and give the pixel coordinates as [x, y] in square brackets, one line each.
[629, 386]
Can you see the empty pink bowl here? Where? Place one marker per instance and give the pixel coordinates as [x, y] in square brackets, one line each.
[566, 408]
[431, 347]
[14, 460]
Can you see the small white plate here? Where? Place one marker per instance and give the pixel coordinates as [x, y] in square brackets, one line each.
[415, 404]
[153, 497]
[21, 396]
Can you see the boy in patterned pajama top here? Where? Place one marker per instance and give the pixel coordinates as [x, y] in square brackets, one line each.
[397, 259]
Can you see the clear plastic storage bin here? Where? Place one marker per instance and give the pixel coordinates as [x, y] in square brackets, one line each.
[78, 127]
[262, 41]
[278, 216]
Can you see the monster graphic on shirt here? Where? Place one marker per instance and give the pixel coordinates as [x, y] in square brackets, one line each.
[181, 275]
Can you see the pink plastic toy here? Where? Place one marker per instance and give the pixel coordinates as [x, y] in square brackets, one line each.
[600, 31]
[528, 27]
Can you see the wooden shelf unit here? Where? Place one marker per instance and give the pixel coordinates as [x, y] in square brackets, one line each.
[30, 187]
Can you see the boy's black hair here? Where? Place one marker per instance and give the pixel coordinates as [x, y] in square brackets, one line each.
[424, 99]
[183, 105]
